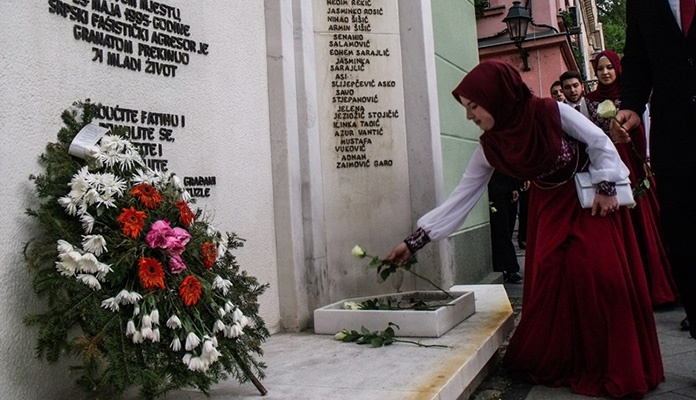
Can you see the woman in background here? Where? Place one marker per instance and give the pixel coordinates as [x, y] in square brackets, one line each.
[645, 215]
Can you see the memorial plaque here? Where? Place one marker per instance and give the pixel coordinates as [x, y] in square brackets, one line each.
[362, 127]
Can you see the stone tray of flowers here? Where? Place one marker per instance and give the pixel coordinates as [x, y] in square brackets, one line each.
[432, 322]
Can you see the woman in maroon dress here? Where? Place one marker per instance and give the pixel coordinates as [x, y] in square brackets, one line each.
[645, 215]
[586, 321]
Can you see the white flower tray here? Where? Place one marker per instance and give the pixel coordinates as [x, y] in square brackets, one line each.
[333, 318]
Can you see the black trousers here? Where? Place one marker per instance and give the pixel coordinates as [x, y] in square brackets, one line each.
[677, 198]
[502, 227]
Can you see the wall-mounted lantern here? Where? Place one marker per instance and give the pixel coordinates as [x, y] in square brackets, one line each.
[517, 21]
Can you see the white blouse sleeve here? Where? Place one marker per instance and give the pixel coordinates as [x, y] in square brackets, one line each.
[605, 162]
[450, 215]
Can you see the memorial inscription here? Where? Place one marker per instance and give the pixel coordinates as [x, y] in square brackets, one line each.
[137, 35]
[363, 79]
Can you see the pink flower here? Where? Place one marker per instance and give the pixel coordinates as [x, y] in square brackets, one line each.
[176, 264]
[159, 232]
[182, 235]
[174, 246]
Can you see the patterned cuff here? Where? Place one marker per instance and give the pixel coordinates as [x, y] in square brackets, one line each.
[417, 240]
[606, 188]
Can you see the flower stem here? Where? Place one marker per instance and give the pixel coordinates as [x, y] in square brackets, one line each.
[449, 295]
[419, 343]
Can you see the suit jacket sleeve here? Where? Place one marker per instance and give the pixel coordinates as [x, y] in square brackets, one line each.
[636, 77]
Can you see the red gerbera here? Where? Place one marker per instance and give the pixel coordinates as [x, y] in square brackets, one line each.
[151, 273]
[186, 215]
[190, 290]
[209, 254]
[147, 194]
[132, 221]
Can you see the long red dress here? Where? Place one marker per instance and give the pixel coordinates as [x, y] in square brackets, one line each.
[587, 320]
[645, 215]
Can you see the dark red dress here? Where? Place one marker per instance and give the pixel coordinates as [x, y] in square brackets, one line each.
[587, 319]
[645, 215]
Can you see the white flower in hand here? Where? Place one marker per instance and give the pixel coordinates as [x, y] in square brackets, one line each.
[607, 109]
[358, 252]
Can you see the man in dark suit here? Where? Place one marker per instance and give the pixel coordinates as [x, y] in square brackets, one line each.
[659, 66]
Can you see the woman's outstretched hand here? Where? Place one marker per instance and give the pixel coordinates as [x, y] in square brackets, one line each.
[604, 205]
[400, 254]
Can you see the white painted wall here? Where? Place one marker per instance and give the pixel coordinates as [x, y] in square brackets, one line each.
[223, 96]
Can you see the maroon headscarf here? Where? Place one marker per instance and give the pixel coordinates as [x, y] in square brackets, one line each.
[525, 140]
[607, 92]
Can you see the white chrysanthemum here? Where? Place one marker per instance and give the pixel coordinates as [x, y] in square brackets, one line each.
[174, 322]
[223, 285]
[229, 306]
[161, 179]
[108, 155]
[146, 321]
[69, 263]
[185, 196]
[222, 246]
[147, 333]
[129, 160]
[176, 344]
[81, 209]
[143, 176]
[186, 358]
[66, 269]
[197, 364]
[78, 188]
[179, 185]
[89, 280]
[95, 244]
[154, 316]
[69, 204]
[192, 341]
[210, 354]
[218, 326]
[126, 297]
[134, 297]
[102, 270]
[64, 247]
[111, 303]
[107, 200]
[137, 337]
[236, 315]
[89, 263]
[92, 197]
[130, 328]
[87, 221]
[233, 331]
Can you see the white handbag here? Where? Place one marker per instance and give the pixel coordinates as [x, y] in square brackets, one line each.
[586, 191]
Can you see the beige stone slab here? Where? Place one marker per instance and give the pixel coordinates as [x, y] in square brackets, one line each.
[309, 366]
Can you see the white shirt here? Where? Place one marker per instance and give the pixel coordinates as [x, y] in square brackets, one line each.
[605, 165]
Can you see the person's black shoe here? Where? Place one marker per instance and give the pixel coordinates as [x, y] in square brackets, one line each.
[512, 277]
[685, 325]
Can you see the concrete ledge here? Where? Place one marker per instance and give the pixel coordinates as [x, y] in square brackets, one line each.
[312, 367]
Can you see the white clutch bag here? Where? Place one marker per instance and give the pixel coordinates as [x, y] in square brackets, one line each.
[586, 191]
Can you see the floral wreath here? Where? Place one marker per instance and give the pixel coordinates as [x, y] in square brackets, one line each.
[136, 284]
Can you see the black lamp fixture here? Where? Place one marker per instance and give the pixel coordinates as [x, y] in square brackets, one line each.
[517, 21]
